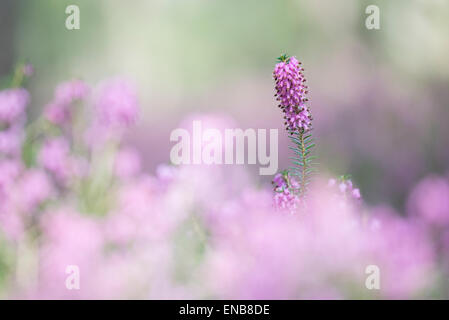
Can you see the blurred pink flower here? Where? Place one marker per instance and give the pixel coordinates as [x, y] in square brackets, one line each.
[345, 188]
[12, 104]
[429, 200]
[57, 114]
[11, 141]
[127, 163]
[11, 223]
[33, 188]
[404, 253]
[69, 91]
[55, 157]
[69, 239]
[356, 193]
[58, 111]
[9, 171]
[117, 103]
[166, 173]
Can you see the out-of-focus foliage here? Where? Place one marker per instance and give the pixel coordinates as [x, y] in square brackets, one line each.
[74, 190]
[380, 95]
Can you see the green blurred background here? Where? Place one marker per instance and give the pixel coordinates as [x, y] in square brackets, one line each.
[379, 97]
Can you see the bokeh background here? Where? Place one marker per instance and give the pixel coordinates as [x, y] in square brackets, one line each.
[379, 97]
[380, 102]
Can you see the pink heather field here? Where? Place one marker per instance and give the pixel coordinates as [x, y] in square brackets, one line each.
[106, 191]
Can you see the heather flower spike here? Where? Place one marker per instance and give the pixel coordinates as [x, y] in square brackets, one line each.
[291, 92]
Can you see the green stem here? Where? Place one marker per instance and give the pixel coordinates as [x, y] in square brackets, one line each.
[304, 164]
